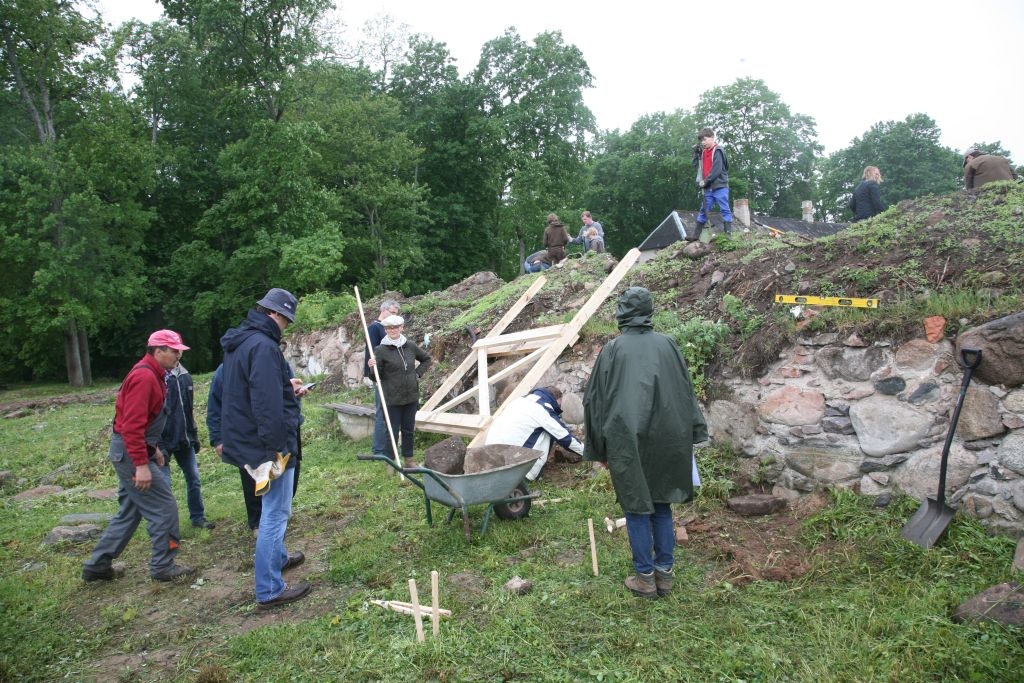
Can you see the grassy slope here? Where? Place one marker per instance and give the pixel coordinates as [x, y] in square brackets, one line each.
[872, 607]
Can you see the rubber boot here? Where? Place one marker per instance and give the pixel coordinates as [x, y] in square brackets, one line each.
[696, 234]
[727, 227]
[642, 585]
[663, 582]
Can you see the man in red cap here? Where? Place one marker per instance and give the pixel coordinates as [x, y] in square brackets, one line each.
[143, 492]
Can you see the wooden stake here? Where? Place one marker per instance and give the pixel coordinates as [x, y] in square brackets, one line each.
[406, 607]
[416, 614]
[593, 545]
[435, 616]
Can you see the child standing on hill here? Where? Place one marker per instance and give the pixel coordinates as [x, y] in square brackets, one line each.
[712, 178]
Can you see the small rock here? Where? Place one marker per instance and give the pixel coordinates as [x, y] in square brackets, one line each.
[1003, 604]
[79, 533]
[890, 386]
[682, 538]
[38, 492]
[756, 504]
[518, 586]
[87, 518]
[883, 500]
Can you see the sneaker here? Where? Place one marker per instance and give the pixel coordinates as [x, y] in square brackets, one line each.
[642, 585]
[290, 594]
[294, 560]
[175, 572]
[102, 574]
[663, 582]
[204, 524]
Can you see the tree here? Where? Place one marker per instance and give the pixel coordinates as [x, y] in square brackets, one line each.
[534, 94]
[771, 151]
[73, 173]
[642, 175]
[908, 153]
[458, 169]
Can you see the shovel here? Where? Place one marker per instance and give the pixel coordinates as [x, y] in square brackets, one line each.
[932, 518]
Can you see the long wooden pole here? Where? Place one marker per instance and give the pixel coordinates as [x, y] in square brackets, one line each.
[376, 376]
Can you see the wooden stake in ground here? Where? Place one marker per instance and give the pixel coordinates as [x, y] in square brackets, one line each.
[435, 615]
[416, 614]
[406, 607]
[593, 545]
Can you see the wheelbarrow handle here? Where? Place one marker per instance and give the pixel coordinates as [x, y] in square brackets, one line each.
[970, 358]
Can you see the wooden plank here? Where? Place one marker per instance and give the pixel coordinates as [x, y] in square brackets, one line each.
[470, 393]
[456, 376]
[483, 387]
[538, 333]
[460, 424]
[570, 332]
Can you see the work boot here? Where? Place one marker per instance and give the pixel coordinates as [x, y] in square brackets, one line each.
[663, 582]
[642, 585]
[176, 572]
[290, 594]
[102, 573]
[727, 226]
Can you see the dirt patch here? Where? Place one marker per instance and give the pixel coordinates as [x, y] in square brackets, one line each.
[14, 409]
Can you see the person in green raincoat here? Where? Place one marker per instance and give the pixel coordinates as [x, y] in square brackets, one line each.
[642, 419]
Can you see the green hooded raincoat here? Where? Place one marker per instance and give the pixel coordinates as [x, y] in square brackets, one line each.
[642, 416]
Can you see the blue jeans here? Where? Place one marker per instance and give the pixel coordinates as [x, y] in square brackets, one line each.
[712, 197]
[193, 492]
[535, 268]
[270, 551]
[652, 539]
[380, 444]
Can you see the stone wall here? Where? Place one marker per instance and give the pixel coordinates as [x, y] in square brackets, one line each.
[830, 412]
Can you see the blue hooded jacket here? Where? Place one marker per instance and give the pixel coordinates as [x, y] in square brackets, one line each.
[259, 413]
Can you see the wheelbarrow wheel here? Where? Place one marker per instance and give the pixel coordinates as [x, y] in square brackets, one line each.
[516, 509]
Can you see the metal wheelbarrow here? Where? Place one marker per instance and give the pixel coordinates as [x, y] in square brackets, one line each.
[503, 489]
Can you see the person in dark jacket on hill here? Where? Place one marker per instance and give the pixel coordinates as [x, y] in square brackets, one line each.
[642, 420]
[259, 422]
[867, 199]
[981, 168]
[712, 167]
[143, 491]
[555, 239]
[180, 439]
[396, 360]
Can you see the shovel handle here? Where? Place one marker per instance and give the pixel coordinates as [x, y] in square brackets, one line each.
[970, 358]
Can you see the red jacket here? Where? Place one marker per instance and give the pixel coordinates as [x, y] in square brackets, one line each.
[139, 401]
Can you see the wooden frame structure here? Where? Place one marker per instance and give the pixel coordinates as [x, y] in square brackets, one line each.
[538, 348]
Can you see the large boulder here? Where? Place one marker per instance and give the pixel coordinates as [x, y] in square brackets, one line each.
[1002, 349]
[486, 458]
[919, 476]
[793, 406]
[885, 425]
[447, 457]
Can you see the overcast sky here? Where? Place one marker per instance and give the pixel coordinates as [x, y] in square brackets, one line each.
[846, 65]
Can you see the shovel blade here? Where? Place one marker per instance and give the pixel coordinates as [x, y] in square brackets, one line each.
[929, 523]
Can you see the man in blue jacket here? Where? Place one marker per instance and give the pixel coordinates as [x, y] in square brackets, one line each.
[259, 431]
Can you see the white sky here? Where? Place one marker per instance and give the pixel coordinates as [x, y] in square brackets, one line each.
[847, 65]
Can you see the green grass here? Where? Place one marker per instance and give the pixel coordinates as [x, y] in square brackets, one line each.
[872, 607]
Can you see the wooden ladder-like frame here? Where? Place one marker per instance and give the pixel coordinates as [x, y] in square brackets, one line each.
[540, 347]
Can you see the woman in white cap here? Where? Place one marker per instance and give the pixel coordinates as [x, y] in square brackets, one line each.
[396, 359]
